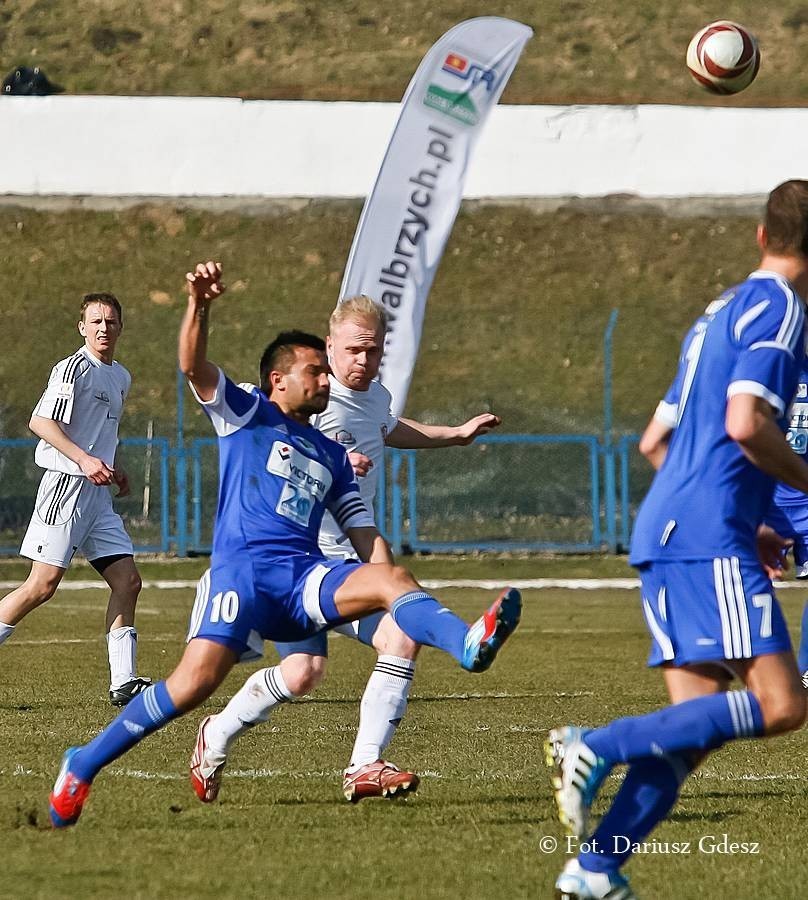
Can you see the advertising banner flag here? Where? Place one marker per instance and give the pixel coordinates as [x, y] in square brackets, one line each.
[410, 212]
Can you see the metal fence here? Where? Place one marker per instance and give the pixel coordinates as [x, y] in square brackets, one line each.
[511, 492]
[146, 511]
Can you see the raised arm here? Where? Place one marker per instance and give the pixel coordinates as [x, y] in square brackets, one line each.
[204, 285]
[412, 435]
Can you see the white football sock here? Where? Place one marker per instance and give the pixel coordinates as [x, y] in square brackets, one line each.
[255, 700]
[122, 649]
[383, 706]
[5, 631]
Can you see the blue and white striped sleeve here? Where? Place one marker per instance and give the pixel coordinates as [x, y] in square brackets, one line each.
[770, 336]
[230, 409]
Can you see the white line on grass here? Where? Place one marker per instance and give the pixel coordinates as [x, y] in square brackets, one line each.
[152, 638]
[484, 584]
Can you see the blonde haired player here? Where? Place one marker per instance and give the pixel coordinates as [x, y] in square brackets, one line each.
[359, 418]
[76, 421]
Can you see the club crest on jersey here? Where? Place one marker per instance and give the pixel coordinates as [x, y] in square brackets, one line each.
[344, 437]
[802, 390]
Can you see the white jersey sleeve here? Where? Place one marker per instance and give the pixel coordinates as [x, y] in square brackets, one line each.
[230, 408]
[64, 383]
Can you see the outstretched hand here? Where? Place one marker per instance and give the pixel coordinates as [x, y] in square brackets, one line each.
[360, 463]
[477, 426]
[205, 282]
[772, 549]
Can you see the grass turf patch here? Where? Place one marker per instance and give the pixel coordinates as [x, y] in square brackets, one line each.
[281, 824]
[582, 52]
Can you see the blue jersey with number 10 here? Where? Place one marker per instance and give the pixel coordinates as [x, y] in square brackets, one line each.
[707, 499]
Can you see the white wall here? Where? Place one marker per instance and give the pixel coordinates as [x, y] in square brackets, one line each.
[175, 146]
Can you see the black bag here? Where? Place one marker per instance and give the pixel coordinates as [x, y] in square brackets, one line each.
[26, 82]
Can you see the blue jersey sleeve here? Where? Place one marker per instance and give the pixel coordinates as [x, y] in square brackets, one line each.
[231, 408]
[770, 337]
[344, 501]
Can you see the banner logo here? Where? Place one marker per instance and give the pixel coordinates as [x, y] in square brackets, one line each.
[458, 104]
[458, 65]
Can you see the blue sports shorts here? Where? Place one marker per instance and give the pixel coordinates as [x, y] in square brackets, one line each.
[361, 630]
[710, 610]
[244, 600]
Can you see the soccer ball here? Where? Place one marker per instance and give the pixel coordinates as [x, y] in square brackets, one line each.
[723, 57]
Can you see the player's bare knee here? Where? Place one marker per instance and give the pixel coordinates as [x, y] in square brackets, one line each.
[785, 713]
[134, 584]
[40, 588]
[128, 585]
[402, 580]
[390, 640]
[302, 673]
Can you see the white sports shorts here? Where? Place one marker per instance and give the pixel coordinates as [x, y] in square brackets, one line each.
[72, 513]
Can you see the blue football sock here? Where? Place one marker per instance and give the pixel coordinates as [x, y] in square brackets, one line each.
[645, 798]
[703, 723]
[802, 656]
[145, 714]
[422, 618]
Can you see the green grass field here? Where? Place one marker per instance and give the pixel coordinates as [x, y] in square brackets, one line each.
[281, 827]
[583, 51]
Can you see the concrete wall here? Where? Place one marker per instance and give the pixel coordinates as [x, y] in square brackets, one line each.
[223, 147]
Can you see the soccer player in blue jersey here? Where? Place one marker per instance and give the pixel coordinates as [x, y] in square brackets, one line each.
[788, 514]
[718, 441]
[268, 578]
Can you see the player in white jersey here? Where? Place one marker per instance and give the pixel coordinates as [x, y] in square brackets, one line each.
[359, 418]
[76, 421]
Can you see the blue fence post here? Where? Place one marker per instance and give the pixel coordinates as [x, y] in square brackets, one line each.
[181, 473]
[624, 449]
[165, 494]
[412, 499]
[609, 480]
[196, 497]
[395, 525]
[380, 501]
[594, 466]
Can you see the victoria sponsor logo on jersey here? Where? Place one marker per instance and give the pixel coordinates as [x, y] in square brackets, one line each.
[298, 469]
